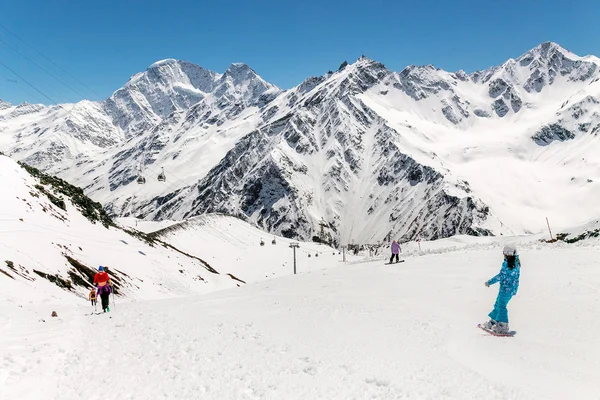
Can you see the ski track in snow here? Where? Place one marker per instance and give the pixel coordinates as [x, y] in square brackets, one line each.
[364, 331]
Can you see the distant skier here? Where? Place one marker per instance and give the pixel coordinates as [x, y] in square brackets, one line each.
[92, 296]
[395, 251]
[509, 284]
[102, 282]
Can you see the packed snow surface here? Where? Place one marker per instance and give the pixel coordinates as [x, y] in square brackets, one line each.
[360, 331]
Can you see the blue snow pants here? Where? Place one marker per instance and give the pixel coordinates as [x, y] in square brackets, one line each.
[500, 313]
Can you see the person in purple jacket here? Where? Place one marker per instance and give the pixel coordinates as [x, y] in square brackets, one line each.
[395, 251]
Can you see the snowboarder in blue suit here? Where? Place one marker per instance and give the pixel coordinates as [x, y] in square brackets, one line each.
[509, 284]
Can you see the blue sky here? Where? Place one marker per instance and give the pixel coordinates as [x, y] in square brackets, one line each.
[103, 43]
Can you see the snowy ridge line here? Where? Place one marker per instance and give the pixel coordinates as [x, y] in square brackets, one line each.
[285, 160]
[197, 220]
[234, 245]
[206, 265]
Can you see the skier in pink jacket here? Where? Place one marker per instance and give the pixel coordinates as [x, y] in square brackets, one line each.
[395, 251]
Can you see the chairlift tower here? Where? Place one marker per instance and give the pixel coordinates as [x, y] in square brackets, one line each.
[294, 246]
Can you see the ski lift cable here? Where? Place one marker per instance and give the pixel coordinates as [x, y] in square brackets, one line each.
[42, 68]
[49, 73]
[47, 85]
[167, 184]
[69, 112]
[52, 101]
[29, 84]
[171, 174]
[49, 60]
[20, 87]
[174, 176]
[68, 86]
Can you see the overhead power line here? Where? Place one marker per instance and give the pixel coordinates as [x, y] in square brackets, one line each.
[69, 112]
[29, 84]
[42, 68]
[49, 60]
[15, 82]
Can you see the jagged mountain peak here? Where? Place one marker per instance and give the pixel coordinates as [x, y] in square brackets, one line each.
[240, 73]
[4, 104]
[366, 62]
[548, 50]
[171, 71]
[428, 67]
[360, 66]
[160, 63]
[240, 84]
[238, 66]
[351, 78]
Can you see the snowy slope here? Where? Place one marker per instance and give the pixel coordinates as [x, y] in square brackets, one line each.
[44, 245]
[39, 235]
[374, 153]
[361, 331]
[234, 246]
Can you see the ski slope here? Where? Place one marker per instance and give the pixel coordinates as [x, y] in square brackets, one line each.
[37, 235]
[360, 331]
[38, 238]
[335, 330]
[234, 246]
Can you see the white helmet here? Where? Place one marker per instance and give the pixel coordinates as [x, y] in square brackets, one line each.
[509, 250]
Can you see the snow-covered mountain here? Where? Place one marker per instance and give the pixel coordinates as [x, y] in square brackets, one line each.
[4, 104]
[70, 134]
[369, 152]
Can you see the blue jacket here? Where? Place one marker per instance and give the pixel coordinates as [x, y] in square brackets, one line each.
[508, 278]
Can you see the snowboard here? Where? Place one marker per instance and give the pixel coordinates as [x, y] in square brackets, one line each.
[401, 261]
[509, 334]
